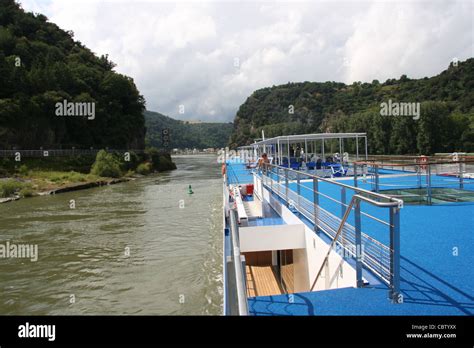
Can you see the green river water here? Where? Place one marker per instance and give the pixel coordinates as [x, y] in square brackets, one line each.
[141, 247]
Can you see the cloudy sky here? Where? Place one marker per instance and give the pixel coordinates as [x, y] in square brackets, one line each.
[209, 56]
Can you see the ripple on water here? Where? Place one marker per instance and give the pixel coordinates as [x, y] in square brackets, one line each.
[171, 251]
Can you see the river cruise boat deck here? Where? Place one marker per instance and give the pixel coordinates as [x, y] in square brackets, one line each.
[393, 237]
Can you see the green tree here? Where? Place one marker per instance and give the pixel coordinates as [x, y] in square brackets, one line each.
[107, 165]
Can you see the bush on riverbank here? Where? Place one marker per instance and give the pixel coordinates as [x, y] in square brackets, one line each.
[107, 165]
[144, 168]
[27, 192]
[79, 163]
[9, 187]
[23, 170]
[131, 163]
[114, 165]
[161, 161]
[165, 163]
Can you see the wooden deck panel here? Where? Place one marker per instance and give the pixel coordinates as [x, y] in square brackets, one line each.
[288, 277]
[262, 281]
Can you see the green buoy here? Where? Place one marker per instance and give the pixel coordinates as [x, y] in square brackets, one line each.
[190, 190]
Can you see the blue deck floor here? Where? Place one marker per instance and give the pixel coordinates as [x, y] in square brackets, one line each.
[237, 173]
[437, 256]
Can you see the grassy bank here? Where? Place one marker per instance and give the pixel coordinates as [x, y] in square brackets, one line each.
[32, 177]
[37, 182]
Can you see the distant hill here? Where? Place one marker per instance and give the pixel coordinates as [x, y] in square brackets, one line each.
[184, 134]
[42, 65]
[446, 123]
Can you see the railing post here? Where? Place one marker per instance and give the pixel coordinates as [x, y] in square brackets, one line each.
[244, 275]
[278, 180]
[343, 211]
[418, 175]
[376, 178]
[316, 204]
[358, 244]
[298, 191]
[428, 183]
[271, 181]
[266, 174]
[394, 293]
[286, 185]
[461, 179]
[343, 201]
[355, 175]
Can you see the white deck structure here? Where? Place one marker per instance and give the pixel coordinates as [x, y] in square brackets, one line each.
[311, 144]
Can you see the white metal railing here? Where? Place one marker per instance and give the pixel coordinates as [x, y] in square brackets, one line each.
[424, 174]
[238, 267]
[383, 260]
[236, 285]
[334, 241]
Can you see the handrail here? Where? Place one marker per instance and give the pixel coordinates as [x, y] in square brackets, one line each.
[394, 201]
[239, 280]
[334, 241]
[429, 170]
[392, 275]
[377, 203]
[409, 164]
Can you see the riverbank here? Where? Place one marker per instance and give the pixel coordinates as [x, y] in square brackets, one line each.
[26, 187]
[37, 177]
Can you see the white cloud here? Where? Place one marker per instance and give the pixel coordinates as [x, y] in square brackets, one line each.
[184, 53]
[414, 38]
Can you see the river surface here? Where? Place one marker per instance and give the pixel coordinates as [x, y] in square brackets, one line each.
[141, 247]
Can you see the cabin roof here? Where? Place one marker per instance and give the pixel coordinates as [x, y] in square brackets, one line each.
[309, 137]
